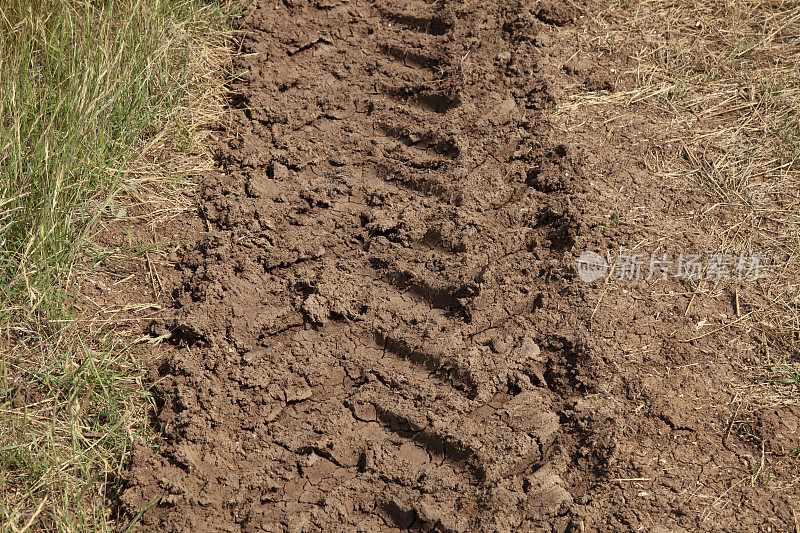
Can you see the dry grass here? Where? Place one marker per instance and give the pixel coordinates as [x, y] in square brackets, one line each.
[725, 77]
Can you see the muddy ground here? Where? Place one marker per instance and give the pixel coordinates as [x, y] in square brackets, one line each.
[378, 321]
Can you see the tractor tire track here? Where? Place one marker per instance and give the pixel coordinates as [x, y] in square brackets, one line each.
[359, 340]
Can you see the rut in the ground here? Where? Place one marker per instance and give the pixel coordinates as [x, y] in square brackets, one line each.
[359, 348]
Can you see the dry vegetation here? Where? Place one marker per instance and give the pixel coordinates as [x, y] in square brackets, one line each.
[725, 78]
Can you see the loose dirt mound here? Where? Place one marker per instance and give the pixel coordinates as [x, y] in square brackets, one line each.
[383, 327]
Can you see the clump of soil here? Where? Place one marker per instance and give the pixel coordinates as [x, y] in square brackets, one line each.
[383, 327]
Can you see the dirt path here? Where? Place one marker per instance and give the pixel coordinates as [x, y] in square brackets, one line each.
[382, 327]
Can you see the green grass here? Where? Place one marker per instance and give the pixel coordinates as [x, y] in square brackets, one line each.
[85, 85]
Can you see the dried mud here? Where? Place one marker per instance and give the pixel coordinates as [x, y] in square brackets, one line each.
[378, 323]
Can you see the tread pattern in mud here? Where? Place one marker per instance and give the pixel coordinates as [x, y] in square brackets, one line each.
[361, 331]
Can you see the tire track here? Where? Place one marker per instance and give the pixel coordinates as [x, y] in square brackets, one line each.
[412, 395]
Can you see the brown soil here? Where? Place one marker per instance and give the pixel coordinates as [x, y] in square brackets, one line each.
[379, 324]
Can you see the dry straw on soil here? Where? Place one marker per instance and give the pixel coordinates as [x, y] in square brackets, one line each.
[725, 78]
